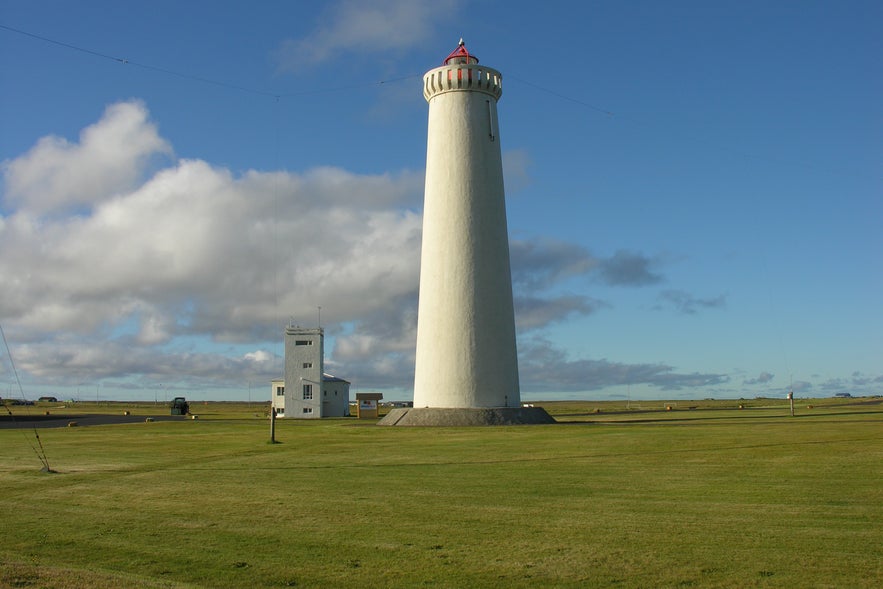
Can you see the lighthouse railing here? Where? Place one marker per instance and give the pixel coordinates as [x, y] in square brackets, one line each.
[462, 77]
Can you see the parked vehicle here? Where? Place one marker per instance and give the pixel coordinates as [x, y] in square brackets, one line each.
[180, 406]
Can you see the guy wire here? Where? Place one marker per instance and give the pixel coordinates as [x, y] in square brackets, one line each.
[41, 453]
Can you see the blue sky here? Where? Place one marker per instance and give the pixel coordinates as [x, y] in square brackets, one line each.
[694, 193]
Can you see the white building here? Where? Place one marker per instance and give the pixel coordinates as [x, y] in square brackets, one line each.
[306, 391]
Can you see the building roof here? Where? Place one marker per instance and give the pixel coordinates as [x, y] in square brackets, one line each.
[369, 396]
[460, 55]
[331, 378]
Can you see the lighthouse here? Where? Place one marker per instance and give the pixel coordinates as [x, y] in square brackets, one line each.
[466, 368]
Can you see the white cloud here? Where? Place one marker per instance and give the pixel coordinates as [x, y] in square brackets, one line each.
[536, 264]
[515, 170]
[762, 378]
[354, 26]
[625, 268]
[259, 356]
[193, 250]
[546, 367]
[687, 304]
[111, 156]
[538, 312]
[379, 350]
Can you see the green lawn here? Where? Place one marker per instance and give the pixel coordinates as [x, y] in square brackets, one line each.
[641, 497]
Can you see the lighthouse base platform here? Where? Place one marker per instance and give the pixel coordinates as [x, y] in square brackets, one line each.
[438, 416]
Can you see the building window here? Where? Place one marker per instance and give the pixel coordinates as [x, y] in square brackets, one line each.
[308, 392]
[308, 409]
[303, 342]
[280, 391]
[308, 364]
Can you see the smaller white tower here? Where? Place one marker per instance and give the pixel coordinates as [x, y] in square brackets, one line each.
[304, 353]
[307, 391]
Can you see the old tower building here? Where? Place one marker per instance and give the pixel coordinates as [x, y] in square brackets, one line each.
[307, 392]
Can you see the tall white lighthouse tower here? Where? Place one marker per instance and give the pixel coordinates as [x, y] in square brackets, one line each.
[467, 365]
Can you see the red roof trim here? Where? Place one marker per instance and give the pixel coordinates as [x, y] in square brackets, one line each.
[460, 51]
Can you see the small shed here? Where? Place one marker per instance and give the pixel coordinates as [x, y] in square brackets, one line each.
[366, 404]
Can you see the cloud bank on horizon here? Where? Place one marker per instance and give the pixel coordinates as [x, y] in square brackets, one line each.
[121, 258]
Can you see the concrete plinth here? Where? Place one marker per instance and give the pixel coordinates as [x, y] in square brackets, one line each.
[436, 416]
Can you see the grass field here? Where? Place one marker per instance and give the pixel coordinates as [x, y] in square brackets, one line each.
[712, 496]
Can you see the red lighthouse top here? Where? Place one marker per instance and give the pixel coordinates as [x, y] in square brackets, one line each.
[460, 55]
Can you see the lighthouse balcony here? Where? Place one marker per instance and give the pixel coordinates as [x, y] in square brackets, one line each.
[462, 77]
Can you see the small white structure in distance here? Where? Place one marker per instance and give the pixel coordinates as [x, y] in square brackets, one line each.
[306, 391]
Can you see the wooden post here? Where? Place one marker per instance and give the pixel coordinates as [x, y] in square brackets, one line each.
[272, 425]
[791, 400]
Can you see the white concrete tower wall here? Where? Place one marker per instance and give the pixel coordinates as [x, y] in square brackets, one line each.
[466, 349]
[304, 357]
